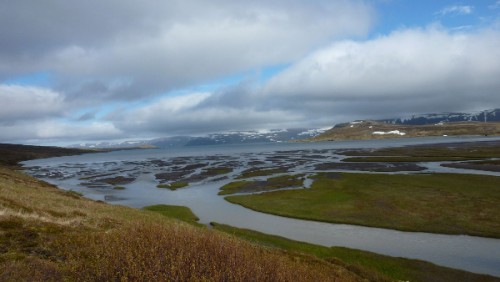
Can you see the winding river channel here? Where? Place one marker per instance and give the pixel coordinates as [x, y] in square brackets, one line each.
[140, 169]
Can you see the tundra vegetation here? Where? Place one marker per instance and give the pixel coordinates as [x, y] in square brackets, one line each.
[272, 183]
[179, 212]
[48, 234]
[366, 264]
[365, 130]
[468, 204]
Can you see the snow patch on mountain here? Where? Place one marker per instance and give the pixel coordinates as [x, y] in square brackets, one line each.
[314, 132]
[435, 118]
[397, 132]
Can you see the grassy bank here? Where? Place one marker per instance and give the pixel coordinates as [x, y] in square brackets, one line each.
[272, 183]
[12, 154]
[434, 152]
[179, 212]
[437, 203]
[394, 159]
[371, 266]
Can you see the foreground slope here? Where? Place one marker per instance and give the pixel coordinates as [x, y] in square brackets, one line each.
[50, 234]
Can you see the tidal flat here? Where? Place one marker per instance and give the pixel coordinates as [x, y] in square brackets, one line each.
[261, 171]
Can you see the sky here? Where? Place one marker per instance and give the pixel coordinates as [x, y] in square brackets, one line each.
[104, 70]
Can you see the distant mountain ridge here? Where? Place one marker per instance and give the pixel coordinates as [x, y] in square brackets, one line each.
[492, 115]
[368, 129]
[234, 137]
[285, 135]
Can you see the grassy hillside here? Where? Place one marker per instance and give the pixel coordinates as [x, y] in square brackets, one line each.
[367, 264]
[49, 234]
[364, 130]
[11, 154]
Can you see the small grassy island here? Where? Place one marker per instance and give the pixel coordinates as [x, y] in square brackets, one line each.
[438, 203]
[426, 202]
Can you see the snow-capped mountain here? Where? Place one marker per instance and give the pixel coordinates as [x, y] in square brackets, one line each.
[233, 137]
[261, 136]
[487, 116]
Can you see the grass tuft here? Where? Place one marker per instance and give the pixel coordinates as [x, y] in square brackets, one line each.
[178, 212]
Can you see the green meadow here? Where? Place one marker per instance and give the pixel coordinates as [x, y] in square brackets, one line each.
[437, 203]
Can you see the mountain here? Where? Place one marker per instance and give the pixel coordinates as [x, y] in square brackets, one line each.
[233, 137]
[364, 130]
[277, 135]
[488, 116]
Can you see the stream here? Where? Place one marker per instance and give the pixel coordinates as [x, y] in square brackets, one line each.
[89, 174]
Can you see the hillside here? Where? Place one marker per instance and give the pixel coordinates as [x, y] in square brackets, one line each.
[47, 234]
[11, 154]
[492, 115]
[365, 130]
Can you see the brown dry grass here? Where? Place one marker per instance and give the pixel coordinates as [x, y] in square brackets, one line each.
[156, 252]
[51, 235]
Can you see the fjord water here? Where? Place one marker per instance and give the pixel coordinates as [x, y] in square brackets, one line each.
[476, 254]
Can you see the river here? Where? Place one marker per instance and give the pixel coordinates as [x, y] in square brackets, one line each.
[476, 254]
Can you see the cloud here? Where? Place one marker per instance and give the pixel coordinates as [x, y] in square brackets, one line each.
[53, 131]
[33, 114]
[107, 52]
[109, 49]
[28, 103]
[495, 5]
[103, 54]
[194, 114]
[411, 70]
[456, 10]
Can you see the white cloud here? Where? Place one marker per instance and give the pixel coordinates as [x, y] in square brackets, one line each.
[101, 51]
[35, 114]
[418, 69]
[457, 10]
[53, 130]
[152, 48]
[190, 115]
[27, 102]
[149, 49]
[408, 71]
